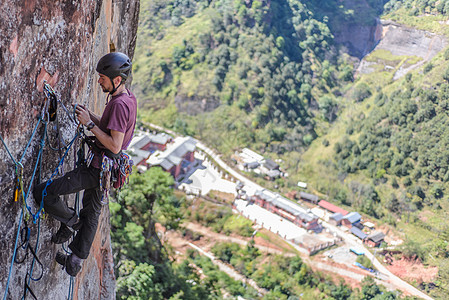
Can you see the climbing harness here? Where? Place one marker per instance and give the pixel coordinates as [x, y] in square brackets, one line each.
[115, 169]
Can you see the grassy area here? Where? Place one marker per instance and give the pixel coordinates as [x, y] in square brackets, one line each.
[431, 23]
[276, 240]
[239, 225]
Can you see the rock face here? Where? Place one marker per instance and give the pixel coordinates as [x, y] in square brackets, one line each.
[400, 40]
[57, 41]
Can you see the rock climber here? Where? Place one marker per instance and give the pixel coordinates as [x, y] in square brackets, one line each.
[113, 131]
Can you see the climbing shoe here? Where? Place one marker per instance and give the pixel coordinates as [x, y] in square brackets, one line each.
[67, 262]
[63, 235]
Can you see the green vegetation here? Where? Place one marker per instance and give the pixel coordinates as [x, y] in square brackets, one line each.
[365, 261]
[289, 278]
[220, 218]
[255, 67]
[423, 14]
[221, 280]
[268, 75]
[143, 270]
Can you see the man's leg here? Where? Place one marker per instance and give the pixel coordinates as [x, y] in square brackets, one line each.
[89, 216]
[77, 180]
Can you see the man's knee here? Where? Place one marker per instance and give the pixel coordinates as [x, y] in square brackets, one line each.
[91, 219]
[37, 192]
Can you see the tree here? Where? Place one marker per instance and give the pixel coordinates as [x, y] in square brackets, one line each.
[328, 108]
[361, 92]
[369, 288]
[136, 282]
[341, 291]
[143, 190]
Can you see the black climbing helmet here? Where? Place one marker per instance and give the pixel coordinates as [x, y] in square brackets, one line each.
[114, 64]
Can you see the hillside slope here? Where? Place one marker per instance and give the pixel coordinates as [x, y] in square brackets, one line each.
[385, 156]
[277, 76]
[255, 70]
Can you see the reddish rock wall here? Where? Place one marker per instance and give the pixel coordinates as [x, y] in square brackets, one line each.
[59, 41]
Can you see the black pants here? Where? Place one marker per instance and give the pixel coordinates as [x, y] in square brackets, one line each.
[82, 178]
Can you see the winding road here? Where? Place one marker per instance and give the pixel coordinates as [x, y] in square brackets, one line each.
[395, 281]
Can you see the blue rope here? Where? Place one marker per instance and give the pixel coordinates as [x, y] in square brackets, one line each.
[35, 251]
[25, 197]
[26, 148]
[14, 254]
[7, 150]
[31, 138]
[21, 213]
[44, 191]
[39, 156]
[71, 288]
[30, 273]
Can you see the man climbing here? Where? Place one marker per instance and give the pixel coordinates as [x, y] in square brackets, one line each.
[113, 132]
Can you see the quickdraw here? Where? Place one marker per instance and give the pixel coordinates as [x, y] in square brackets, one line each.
[18, 186]
[115, 172]
[105, 178]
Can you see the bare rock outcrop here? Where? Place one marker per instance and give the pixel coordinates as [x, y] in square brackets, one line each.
[400, 40]
[57, 41]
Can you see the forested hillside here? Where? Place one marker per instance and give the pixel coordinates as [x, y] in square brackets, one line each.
[147, 270]
[386, 153]
[303, 81]
[257, 71]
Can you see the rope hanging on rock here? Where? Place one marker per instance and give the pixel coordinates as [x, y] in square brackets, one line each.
[50, 112]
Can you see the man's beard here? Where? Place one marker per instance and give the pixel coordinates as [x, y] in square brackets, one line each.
[105, 90]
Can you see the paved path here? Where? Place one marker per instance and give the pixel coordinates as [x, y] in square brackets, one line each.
[251, 187]
[393, 279]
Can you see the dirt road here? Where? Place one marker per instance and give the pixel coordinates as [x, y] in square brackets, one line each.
[210, 238]
[398, 283]
[229, 270]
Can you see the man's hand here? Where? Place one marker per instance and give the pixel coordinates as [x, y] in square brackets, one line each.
[82, 114]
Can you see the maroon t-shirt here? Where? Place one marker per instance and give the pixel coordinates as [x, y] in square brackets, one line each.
[119, 114]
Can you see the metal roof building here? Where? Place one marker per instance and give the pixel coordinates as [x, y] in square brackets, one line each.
[376, 236]
[358, 233]
[174, 153]
[331, 207]
[337, 217]
[353, 217]
[309, 197]
[286, 205]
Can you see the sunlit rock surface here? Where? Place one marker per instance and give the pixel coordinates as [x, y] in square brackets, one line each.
[57, 41]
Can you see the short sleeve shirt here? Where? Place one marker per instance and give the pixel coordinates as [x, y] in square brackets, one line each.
[119, 114]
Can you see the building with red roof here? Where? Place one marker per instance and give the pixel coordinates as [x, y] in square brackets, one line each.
[332, 208]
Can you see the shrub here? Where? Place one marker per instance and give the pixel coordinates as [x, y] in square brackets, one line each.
[361, 92]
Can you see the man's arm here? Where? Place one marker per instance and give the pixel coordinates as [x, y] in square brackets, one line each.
[112, 142]
[95, 118]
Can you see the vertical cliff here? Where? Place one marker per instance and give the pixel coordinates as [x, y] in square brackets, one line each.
[57, 41]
